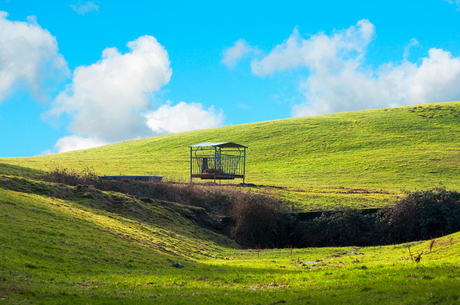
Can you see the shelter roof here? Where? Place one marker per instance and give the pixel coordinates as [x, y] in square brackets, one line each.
[220, 144]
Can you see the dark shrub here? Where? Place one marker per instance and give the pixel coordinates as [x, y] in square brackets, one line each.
[347, 227]
[216, 200]
[261, 221]
[72, 177]
[422, 215]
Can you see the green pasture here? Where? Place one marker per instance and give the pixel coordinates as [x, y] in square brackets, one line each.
[317, 161]
[78, 245]
[59, 245]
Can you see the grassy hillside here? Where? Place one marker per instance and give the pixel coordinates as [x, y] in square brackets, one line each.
[62, 244]
[363, 158]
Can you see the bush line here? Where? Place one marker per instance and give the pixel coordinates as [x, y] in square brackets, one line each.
[266, 222]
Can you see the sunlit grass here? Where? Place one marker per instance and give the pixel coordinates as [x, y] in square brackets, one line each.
[396, 149]
[319, 199]
[58, 251]
[59, 246]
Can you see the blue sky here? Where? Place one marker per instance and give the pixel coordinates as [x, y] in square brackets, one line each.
[78, 74]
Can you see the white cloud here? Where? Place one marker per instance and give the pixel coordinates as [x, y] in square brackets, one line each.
[183, 117]
[28, 56]
[111, 100]
[83, 8]
[318, 52]
[233, 54]
[456, 2]
[73, 142]
[106, 100]
[338, 80]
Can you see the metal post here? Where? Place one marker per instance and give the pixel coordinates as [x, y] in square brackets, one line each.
[215, 163]
[191, 165]
[244, 165]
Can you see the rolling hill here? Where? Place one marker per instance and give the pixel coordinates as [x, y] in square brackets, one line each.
[79, 245]
[365, 158]
[405, 147]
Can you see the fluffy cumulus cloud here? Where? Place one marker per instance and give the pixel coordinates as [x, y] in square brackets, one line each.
[183, 117]
[233, 54]
[105, 100]
[111, 100]
[28, 56]
[319, 52]
[338, 80]
[73, 142]
[86, 7]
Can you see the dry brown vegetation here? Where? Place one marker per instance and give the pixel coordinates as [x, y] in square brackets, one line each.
[265, 222]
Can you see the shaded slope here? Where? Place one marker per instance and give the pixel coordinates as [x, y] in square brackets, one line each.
[75, 219]
[58, 251]
[78, 245]
[55, 249]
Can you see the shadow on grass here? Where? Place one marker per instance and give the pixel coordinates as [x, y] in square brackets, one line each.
[58, 256]
[199, 283]
[16, 170]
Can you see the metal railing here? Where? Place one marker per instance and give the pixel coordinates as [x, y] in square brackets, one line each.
[221, 164]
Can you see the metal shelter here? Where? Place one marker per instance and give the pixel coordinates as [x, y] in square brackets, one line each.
[218, 161]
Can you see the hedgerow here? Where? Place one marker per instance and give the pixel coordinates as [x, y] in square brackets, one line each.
[267, 222]
[421, 215]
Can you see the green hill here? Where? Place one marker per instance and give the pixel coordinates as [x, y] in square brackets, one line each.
[78, 245]
[61, 244]
[362, 158]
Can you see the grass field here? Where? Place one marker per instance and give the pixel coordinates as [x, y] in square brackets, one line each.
[75, 251]
[78, 245]
[364, 158]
